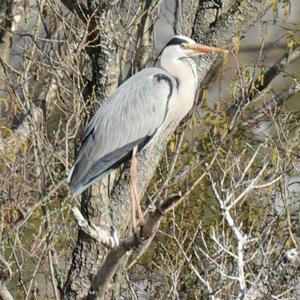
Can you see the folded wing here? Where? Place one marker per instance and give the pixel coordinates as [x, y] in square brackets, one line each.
[130, 117]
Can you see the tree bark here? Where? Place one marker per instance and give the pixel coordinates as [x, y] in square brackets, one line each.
[10, 16]
[88, 255]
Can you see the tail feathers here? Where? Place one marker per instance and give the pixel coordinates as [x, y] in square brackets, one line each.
[70, 174]
[81, 187]
[84, 173]
[77, 190]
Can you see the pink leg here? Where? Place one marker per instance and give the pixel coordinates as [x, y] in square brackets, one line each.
[137, 214]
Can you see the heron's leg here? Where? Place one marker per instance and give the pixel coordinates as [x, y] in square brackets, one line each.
[134, 192]
[133, 206]
[133, 189]
[138, 205]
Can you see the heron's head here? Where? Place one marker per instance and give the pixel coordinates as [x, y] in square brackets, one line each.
[181, 46]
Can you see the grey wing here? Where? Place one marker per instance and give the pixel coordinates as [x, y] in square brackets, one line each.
[129, 118]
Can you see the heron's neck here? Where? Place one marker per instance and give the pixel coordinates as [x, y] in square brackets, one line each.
[185, 72]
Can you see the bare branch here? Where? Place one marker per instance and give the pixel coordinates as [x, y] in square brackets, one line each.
[31, 210]
[96, 232]
[6, 275]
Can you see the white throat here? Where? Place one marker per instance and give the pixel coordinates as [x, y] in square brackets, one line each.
[185, 73]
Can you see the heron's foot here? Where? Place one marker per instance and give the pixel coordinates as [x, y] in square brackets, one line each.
[138, 231]
[135, 228]
[137, 225]
[138, 235]
[141, 219]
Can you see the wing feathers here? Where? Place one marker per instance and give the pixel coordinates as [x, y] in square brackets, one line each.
[103, 166]
[130, 117]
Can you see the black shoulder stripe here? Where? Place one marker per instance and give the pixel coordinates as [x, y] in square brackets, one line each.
[164, 77]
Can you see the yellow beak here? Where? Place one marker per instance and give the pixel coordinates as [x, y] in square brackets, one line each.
[204, 48]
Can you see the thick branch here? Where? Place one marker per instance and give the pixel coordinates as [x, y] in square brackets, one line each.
[276, 69]
[5, 294]
[5, 276]
[95, 204]
[8, 25]
[235, 23]
[95, 232]
[286, 94]
[274, 101]
[77, 8]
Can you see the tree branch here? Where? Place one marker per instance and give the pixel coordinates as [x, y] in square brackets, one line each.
[6, 274]
[286, 94]
[95, 232]
[279, 66]
[31, 210]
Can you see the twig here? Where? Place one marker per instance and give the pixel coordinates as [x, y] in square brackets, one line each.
[241, 238]
[35, 206]
[53, 279]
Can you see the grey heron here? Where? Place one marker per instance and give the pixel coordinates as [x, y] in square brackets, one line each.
[142, 107]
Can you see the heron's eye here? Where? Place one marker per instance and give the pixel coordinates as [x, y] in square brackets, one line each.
[183, 45]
